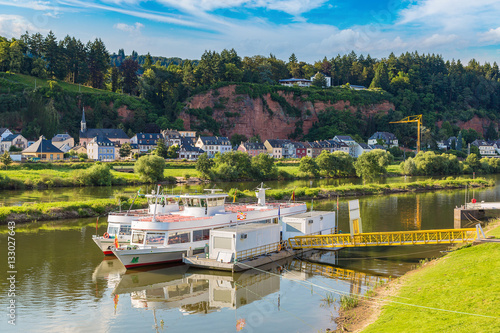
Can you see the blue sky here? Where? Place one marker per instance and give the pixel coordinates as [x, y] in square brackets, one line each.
[312, 29]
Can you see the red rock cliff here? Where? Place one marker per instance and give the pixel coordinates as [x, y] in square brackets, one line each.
[251, 117]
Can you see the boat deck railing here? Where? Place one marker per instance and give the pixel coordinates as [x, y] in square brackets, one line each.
[258, 251]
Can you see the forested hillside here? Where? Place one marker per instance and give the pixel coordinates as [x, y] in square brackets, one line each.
[145, 92]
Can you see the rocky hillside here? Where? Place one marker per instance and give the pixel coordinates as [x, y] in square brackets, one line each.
[282, 113]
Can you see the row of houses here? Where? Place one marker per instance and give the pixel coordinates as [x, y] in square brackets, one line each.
[281, 148]
[105, 144]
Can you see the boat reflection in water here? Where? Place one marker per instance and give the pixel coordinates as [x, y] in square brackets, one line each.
[199, 291]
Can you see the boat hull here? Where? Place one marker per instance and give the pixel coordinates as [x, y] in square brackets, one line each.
[106, 244]
[146, 257]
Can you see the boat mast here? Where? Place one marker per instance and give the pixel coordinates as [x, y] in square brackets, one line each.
[156, 202]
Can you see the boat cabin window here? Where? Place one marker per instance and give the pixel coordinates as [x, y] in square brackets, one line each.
[155, 238]
[138, 237]
[113, 230]
[191, 202]
[125, 230]
[178, 237]
[199, 235]
[214, 202]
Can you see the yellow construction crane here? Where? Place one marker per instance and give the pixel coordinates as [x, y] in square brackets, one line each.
[412, 119]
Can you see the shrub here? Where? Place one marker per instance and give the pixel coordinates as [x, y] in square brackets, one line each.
[150, 168]
[97, 175]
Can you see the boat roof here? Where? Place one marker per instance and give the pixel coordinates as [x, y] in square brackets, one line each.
[204, 196]
[246, 227]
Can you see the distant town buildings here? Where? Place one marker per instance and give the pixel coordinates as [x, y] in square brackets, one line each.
[115, 135]
[44, 150]
[295, 82]
[387, 138]
[214, 144]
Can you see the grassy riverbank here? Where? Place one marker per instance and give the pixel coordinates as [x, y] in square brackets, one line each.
[456, 293]
[324, 192]
[63, 210]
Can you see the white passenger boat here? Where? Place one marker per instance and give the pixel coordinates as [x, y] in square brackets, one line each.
[164, 239]
[120, 223]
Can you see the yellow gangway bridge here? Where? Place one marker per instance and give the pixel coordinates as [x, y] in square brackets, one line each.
[359, 239]
[420, 237]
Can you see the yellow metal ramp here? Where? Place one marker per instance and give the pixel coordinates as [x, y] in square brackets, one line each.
[419, 237]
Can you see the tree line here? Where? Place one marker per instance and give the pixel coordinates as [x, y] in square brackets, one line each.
[442, 90]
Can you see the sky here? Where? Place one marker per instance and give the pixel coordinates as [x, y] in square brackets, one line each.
[312, 29]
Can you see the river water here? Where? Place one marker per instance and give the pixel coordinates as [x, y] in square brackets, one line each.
[64, 284]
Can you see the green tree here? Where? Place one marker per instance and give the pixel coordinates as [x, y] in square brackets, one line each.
[409, 167]
[345, 164]
[150, 168]
[97, 175]
[204, 165]
[6, 159]
[473, 162]
[16, 56]
[237, 139]
[263, 167]
[173, 151]
[125, 150]
[381, 79]
[491, 132]
[308, 166]
[148, 62]
[98, 62]
[319, 80]
[161, 149]
[372, 164]
[231, 166]
[128, 70]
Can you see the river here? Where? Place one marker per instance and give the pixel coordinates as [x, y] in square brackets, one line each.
[63, 283]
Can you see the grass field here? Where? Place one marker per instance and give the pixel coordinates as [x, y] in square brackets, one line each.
[30, 81]
[394, 169]
[458, 293]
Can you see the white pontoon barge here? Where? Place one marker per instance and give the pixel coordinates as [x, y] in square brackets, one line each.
[242, 247]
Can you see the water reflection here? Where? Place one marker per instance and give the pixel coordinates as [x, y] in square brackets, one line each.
[196, 291]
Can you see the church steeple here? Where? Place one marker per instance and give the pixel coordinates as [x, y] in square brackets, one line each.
[83, 124]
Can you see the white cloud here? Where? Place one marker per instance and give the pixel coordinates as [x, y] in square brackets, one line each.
[15, 26]
[292, 7]
[439, 40]
[492, 36]
[452, 14]
[133, 29]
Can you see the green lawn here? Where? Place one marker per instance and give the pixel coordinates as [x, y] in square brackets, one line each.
[465, 283]
[494, 229]
[394, 169]
[30, 81]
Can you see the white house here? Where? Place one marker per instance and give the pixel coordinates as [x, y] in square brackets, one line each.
[101, 148]
[4, 132]
[295, 82]
[327, 78]
[214, 144]
[389, 139]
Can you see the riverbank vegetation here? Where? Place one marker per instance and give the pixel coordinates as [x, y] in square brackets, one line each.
[66, 209]
[456, 293]
[323, 192]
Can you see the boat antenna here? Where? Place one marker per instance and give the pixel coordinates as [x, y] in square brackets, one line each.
[312, 205]
[156, 202]
[133, 201]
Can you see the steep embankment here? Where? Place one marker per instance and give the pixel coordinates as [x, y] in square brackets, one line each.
[36, 106]
[275, 112]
